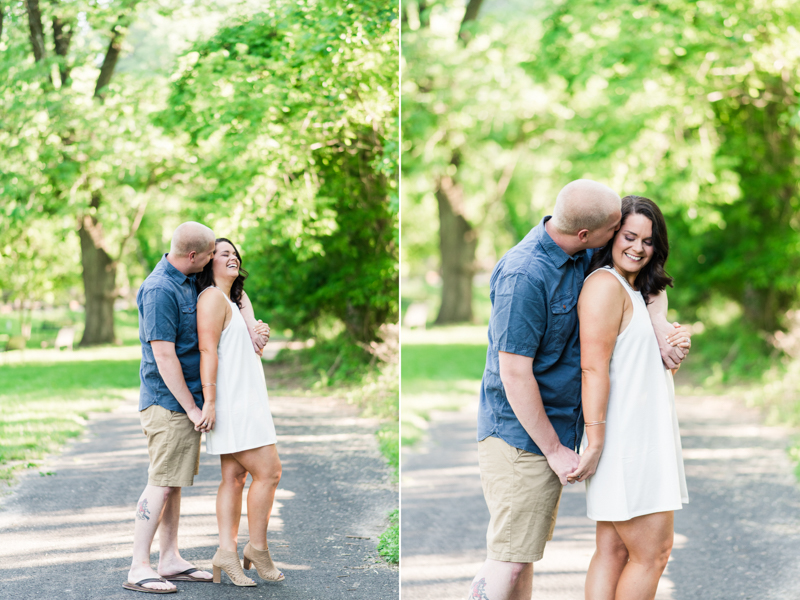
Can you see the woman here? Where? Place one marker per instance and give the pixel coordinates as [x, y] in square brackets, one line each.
[632, 464]
[239, 427]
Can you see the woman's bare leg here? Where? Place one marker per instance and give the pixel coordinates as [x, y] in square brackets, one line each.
[607, 564]
[229, 501]
[649, 542]
[264, 465]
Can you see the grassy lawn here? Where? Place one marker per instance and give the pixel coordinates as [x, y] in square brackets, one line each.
[44, 402]
[441, 370]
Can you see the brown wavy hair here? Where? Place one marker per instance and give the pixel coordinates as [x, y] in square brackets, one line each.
[206, 277]
[653, 278]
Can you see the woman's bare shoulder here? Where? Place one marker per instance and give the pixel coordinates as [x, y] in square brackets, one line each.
[602, 283]
[212, 299]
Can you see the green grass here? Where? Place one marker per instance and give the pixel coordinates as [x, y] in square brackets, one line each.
[44, 404]
[389, 542]
[46, 323]
[389, 443]
[438, 374]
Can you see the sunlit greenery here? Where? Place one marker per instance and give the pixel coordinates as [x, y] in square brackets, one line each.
[43, 404]
[694, 104]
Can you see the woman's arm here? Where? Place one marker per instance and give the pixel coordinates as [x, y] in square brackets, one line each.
[212, 309]
[674, 340]
[259, 332]
[600, 312]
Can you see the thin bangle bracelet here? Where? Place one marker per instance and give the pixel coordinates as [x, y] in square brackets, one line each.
[594, 423]
[205, 385]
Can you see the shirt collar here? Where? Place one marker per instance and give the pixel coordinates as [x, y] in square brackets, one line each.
[554, 251]
[173, 273]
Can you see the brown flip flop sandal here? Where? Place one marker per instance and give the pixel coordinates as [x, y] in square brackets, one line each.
[187, 576]
[139, 586]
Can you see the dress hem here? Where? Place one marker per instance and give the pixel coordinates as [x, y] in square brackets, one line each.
[648, 511]
[272, 443]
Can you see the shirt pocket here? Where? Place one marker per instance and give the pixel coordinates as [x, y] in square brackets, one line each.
[189, 320]
[563, 318]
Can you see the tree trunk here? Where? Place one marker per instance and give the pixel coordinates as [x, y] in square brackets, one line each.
[457, 243]
[112, 54]
[62, 36]
[471, 14]
[36, 29]
[99, 283]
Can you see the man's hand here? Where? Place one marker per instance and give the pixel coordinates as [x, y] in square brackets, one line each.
[563, 461]
[195, 416]
[208, 418]
[587, 466]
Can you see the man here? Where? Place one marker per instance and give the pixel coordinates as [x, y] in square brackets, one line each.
[170, 405]
[529, 417]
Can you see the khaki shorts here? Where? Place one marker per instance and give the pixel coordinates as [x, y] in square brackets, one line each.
[173, 445]
[522, 493]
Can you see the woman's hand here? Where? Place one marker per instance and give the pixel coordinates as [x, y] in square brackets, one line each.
[588, 465]
[263, 330]
[208, 419]
[259, 335]
[681, 337]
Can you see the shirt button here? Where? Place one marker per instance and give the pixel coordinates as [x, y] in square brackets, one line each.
[563, 306]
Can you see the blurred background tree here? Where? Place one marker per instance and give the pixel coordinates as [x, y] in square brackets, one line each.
[274, 123]
[693, 104]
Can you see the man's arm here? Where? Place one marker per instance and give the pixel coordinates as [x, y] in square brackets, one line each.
[673, 341]
[169, 367]
[522, 391]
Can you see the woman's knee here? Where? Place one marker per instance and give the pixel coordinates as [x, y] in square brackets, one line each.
[234, 479]
[663, 554]
[271, 477]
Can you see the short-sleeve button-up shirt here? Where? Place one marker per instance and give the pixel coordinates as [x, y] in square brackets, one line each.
[534, 291]
[167, 303]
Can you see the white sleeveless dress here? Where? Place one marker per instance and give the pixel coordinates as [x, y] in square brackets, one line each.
[641, 468]
[243, 420]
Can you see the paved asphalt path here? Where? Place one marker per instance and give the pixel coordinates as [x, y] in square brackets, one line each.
[739, 538]
[69, 535]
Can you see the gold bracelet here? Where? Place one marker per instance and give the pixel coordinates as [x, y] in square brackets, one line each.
[595, 423]
[205, 385]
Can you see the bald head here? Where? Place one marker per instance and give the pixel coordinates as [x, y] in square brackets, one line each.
[584, 204]
[190, 237]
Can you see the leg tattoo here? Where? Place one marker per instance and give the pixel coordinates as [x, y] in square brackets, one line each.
[478, 591]
[142, 513]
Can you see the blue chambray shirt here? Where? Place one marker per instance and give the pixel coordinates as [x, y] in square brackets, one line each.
[167, 304]
[534, 293]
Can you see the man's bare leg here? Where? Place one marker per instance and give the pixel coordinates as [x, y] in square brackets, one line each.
[148, 516]
[499, 580]
[169, 560]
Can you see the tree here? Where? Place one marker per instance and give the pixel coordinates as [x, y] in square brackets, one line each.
[472, 116]
[291, 117]
[701, 109]
[78, 145]
[692, 104]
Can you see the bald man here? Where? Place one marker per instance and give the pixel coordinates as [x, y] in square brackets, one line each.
[529, 418]
[170, 405]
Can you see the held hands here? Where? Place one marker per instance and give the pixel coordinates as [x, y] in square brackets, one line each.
[587, 466]
[260, 336]
[674, 341]
[204, 420]
[563, 462]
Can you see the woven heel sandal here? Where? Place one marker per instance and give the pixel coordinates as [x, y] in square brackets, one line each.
[228, 561]
[263, 563]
